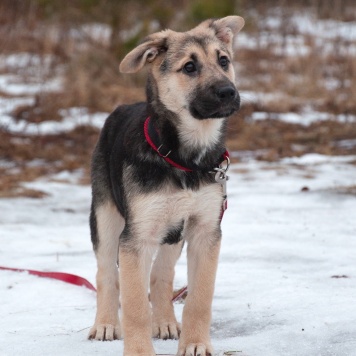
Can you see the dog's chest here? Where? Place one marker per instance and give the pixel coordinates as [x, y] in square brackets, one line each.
[156, 213]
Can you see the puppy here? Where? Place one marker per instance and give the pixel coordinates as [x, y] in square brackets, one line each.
[157, 181]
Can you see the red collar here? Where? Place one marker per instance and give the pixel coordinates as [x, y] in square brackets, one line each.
[153, 139]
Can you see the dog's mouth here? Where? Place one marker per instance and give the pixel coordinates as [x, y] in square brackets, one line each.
[220, 114]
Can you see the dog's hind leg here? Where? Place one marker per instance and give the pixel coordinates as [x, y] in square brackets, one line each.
[164, 323]
[106, 226]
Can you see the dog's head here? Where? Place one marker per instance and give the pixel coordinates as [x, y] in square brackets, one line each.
[191, 72]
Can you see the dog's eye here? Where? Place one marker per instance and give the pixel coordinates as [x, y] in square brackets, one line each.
[190, 67]
[224, 62]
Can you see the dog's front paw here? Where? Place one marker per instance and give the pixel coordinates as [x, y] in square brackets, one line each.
[105, 332]
[198, 349]
[166, 330]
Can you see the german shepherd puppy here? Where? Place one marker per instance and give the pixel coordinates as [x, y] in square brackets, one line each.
[154, 187]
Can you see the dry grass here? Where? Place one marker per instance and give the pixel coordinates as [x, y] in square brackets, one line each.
[324, 82]
[272, 139]
[348, 190]
[318, 80]
[342, 190]
[33, 157]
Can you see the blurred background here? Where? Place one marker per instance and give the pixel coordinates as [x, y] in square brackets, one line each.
[59, 78]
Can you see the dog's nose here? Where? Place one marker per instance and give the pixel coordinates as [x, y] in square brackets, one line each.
[226, 92]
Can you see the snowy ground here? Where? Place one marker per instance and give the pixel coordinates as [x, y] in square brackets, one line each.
[275, 294]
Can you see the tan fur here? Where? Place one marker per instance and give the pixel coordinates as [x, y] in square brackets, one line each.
[172, 206]
[136, 317]
[202, 266]
[110, 226]
[164, 323]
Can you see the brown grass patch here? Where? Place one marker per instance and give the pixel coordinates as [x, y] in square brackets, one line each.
[349, 190]
[19, 191]
[40, 156]
[273, 139]
[11, 180]
[53, 32]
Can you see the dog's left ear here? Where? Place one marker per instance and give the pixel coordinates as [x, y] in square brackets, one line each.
[227, 27]
[144, 53]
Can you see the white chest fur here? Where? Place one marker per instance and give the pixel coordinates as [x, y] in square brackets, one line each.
[154, 213]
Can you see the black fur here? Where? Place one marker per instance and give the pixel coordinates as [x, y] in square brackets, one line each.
[93, 228]
[174, 234]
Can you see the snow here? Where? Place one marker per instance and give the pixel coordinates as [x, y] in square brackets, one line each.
[304, 118]
[19, 94]
[274, 292]
[27, 63]
[10, 85]
[288, 35]
[72, 118]
[98, 32]
[306, 22]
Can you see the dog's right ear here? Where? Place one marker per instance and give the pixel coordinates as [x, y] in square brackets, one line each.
[146, 52]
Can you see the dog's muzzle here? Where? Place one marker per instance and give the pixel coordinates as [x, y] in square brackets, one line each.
[218, 101]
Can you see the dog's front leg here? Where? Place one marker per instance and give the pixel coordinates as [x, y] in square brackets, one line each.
[106, 225]
[136, 313]
[165, 325]
[203, 254]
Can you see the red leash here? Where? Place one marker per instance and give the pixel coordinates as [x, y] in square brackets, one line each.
[61, 276]
[76, 280]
